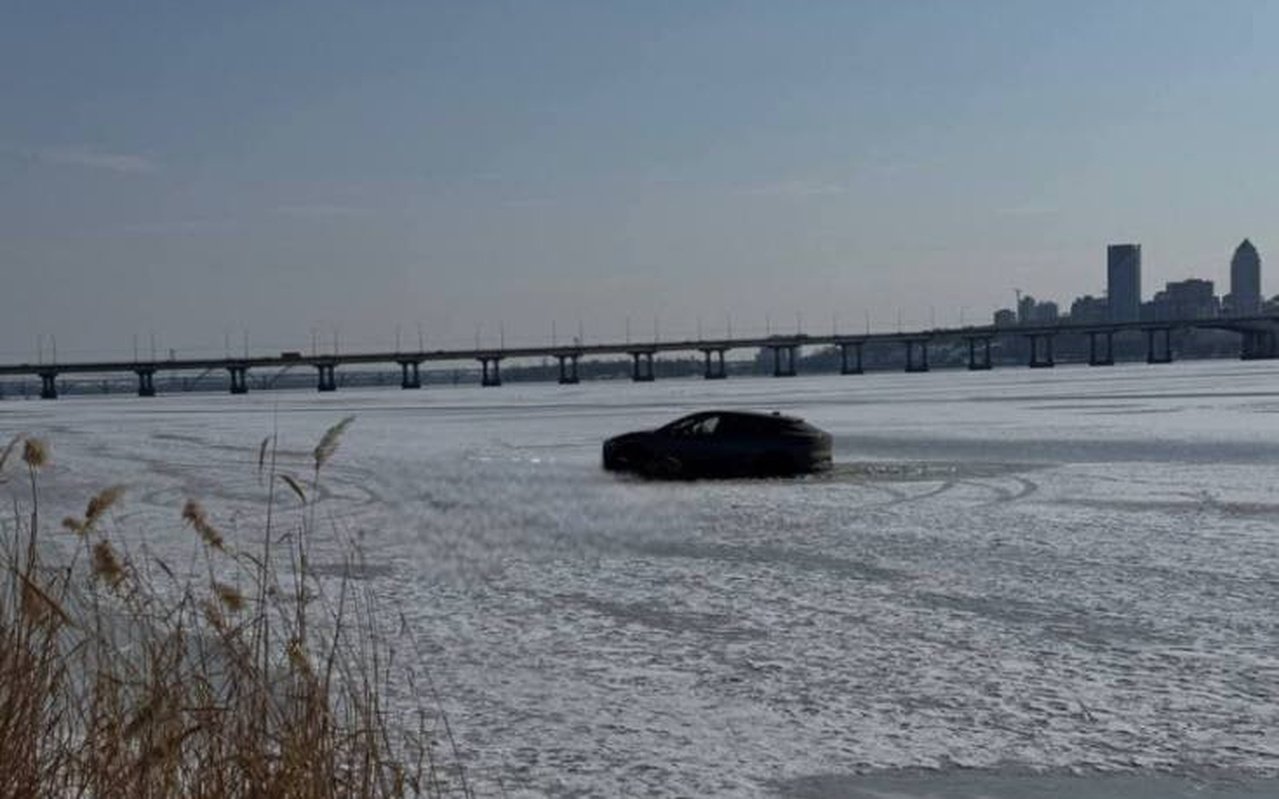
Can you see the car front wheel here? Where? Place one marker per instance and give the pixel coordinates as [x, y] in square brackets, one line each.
[664, 467]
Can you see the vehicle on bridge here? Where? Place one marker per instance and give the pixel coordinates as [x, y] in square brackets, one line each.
[722, 444]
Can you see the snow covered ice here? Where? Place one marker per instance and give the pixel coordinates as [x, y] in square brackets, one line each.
[1016, 578]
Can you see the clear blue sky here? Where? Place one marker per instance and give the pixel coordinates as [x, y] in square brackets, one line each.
[193, 170]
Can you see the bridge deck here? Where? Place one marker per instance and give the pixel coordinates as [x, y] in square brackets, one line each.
[1239, 324]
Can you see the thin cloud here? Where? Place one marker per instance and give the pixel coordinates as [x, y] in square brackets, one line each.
[796, 188]
[527, 202]
[1026, 210]
[124, 163]
[178, 227]
[897, 167]
[322, 211]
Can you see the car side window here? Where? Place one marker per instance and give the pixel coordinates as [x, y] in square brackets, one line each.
[680, 428]
[707, 426]
[738, 426]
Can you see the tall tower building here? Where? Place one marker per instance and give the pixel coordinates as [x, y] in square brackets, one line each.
[1123, 282]
[1245, 280]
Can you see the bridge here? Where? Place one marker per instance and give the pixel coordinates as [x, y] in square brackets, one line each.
[1259, 338]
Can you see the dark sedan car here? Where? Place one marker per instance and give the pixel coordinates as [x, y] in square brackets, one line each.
[722, 444]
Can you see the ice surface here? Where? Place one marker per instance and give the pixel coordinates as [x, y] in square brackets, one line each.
[1012, 582]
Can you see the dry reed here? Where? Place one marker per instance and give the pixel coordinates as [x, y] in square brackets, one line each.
[115, 684]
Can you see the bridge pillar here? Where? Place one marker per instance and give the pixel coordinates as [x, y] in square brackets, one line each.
[642, 367]
[410, 376]
[1258, 344]
[855, 368]
[974, 363]
[783, 365]
[239, 379]
[490, 371]
[146, 382]
[327, 376]
[48, 385]
[568, 369]
[1095, 357]
[1155, 354]
[1249, 345]
[914, 364]
[1268, 347]
[1041, 357]
[715, 368]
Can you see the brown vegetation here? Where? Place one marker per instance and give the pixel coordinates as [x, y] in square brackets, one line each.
[120, 677]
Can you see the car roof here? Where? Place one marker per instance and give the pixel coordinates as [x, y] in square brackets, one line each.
[771, 417]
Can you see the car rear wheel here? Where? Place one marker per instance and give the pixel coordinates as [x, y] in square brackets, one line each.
[774, 464]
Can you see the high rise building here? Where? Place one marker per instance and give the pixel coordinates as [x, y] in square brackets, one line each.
[1245, 281]
[1185, 299]
[1025, 309]
[1045, 313]
[1123, 282]
[1089, 309]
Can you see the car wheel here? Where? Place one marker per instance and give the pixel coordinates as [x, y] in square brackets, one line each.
[665, 467]
[633, 458]
[774, 464]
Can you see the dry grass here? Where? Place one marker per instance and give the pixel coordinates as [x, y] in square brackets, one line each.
[120, 678]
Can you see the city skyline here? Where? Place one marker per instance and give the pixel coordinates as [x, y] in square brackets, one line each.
[194, 176]
[1028, 308]
[1189, 298]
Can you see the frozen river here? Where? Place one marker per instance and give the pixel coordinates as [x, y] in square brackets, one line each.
[1014, 584]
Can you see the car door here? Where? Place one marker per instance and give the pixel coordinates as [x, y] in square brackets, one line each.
[695, 444]
[738, 443]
